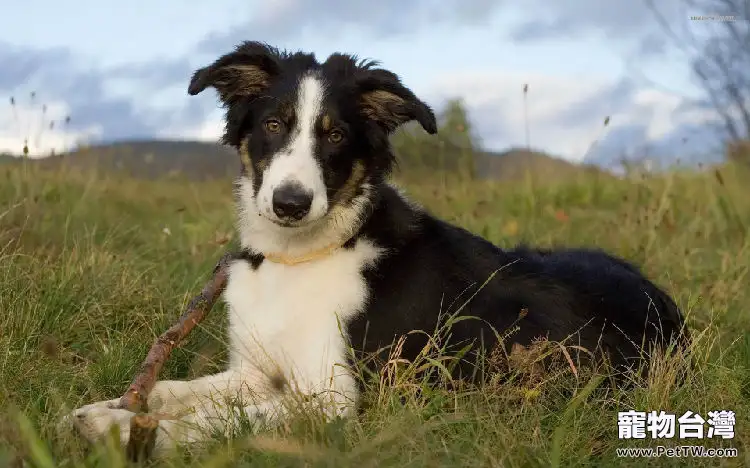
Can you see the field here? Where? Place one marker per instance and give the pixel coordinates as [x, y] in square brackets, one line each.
[94, 266]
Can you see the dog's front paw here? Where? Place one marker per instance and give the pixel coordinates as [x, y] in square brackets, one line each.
[94, 421]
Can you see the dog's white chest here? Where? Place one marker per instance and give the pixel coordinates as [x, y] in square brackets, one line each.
[296, 315]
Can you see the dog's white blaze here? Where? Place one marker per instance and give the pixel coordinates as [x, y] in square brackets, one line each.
[296, 161]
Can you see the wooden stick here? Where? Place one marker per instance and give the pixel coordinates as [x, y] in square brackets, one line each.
[142, 440]
[142, 425]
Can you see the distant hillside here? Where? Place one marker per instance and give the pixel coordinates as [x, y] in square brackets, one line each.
[517, 163]
[200, 160]
[156, 158]
[6, 158]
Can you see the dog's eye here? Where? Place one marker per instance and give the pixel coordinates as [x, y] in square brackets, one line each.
[335, 137]
[273, 125]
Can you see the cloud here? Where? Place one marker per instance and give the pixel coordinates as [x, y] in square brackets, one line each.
[27, 122]
[659, 126]
[685, 144]
[333, 18]
[496, 104]
[154, 74]
[606, 101]
[585, 17]
[19, 64]
[566, 115]
[209, 127]
[144, 99]
[128, 101]
[630, 29]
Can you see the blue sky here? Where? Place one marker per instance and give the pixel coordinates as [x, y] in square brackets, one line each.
[121, 69]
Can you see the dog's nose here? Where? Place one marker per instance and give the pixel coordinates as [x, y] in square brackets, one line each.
[291, 200]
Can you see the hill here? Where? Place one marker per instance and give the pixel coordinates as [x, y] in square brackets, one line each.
[6, 158]
[197, 160]
[516, 164]
[152, 159]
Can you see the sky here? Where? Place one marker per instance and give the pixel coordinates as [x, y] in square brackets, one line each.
[120, 70]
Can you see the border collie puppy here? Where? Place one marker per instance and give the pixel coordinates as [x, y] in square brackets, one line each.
[337, 264]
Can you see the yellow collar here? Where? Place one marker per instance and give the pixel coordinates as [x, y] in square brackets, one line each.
[308, 257]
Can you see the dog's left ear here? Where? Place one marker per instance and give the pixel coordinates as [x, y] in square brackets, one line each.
[385, 100]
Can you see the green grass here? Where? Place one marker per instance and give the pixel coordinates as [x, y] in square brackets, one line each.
[93, 267]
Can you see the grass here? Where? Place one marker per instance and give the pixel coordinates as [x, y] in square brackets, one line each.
[93, 266]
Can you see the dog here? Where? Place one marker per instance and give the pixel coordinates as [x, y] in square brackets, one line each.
[337, 264]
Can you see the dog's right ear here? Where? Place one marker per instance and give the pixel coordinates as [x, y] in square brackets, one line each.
[245, 72]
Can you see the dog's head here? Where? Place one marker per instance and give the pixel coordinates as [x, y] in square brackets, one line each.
[313, 136]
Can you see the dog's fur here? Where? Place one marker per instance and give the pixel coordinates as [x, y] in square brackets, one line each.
[314, 143]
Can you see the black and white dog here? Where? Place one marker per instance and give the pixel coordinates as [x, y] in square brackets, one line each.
[337, 260]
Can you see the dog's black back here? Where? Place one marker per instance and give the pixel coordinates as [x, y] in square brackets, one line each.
[578, 297]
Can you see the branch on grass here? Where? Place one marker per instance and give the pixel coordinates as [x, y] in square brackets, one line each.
[143, 425]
